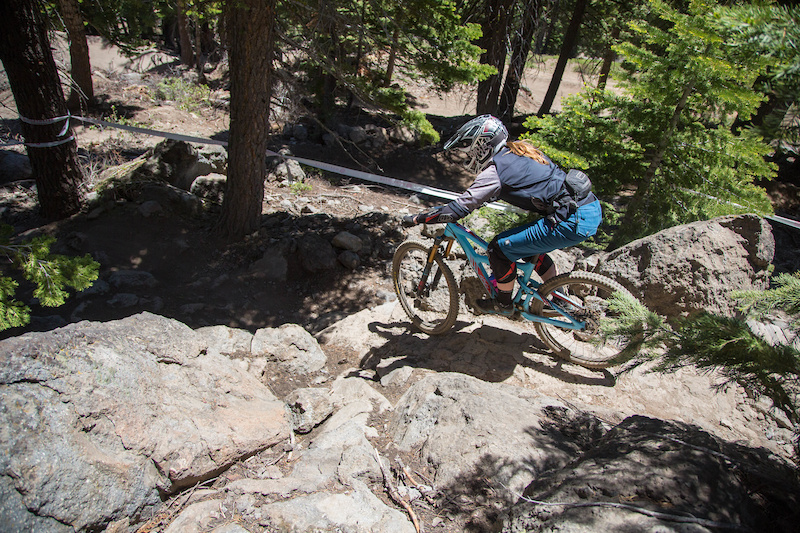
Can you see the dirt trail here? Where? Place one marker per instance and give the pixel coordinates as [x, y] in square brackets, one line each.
[205, 282]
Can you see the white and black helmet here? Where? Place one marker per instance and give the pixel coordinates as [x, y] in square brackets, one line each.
[480, 138]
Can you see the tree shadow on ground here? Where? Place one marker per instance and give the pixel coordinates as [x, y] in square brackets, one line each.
[639, 476]
[200, 280]
[111, 109]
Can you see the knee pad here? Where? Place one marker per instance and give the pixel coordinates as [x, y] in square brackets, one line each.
[503, 269]
[541, 263]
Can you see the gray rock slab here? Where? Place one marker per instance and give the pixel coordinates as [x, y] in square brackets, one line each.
[100, 419]
[466, 428]
[355, 511]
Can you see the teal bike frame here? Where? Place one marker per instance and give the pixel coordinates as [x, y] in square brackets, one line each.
[528, 288]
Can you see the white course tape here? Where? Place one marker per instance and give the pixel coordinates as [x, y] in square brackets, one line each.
[45, 122]
[783, 220]
[393, 182]
[366, 176]
[154, 133]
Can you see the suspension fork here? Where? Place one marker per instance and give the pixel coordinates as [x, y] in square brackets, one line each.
[437, 244]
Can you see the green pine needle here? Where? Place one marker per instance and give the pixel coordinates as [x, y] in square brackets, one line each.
[52, 274]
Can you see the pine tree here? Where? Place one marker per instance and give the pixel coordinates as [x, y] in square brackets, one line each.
[668, 136]
[774, 31]
[327, 43]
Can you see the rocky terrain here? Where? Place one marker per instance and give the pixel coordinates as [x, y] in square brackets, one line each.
[145, 424]
[275, 384]
[336, 416]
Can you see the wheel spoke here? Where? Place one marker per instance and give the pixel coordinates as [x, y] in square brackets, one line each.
[585, 297]
[433, 305]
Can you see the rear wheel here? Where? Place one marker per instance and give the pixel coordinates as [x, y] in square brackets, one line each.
[584, 295]
[433, 307]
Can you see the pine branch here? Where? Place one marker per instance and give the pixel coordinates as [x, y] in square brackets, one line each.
[52, 275]
[717, 343]
[785, 296]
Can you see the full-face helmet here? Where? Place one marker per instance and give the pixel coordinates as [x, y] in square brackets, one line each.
[480, 138]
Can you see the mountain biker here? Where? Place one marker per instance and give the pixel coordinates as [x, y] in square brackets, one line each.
[520, 174]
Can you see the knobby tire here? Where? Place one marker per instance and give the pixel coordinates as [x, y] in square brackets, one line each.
[589, 293]
[435, 308]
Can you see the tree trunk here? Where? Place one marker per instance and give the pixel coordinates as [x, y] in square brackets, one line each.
[187, 54]
[387, 80]
[82, 90]
[608, 60]
[28, 60]
[361, 30]
[546, 31]
[495, 33]
[519, 56]
[570, 39]
[250, 33]
[638, 204]
[200, 56]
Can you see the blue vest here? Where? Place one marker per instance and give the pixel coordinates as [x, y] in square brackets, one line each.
[526, 183]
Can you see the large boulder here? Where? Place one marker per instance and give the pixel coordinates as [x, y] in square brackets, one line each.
[14, 166]
[316, 253]
[695, 267]
[176, 162]
[101, 420]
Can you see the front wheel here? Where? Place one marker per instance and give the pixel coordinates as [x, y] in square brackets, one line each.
[431, 304]
[584, 296]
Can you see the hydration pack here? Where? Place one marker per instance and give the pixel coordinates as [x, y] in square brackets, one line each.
[577, 187]
[578, 184]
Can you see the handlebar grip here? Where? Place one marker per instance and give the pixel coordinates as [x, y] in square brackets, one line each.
[409, 221]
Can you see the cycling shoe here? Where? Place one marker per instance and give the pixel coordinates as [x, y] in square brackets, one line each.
[490, 306]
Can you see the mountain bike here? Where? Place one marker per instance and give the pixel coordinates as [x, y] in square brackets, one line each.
[567, 310]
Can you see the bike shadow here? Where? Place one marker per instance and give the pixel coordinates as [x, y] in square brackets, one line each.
[486, 352]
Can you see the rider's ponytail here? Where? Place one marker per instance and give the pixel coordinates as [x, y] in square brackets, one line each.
[527, 149]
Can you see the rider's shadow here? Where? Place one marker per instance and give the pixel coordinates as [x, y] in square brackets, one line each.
[487, 353]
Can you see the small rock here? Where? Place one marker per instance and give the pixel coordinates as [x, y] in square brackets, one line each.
[358, 134]
[132, 279]
[123, 300]
[349, 259]
[309, 408]
[347, 241]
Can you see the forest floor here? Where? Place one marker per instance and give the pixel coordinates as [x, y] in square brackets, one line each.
[125, 90]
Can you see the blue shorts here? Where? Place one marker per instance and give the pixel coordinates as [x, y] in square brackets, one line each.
[542, 236]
